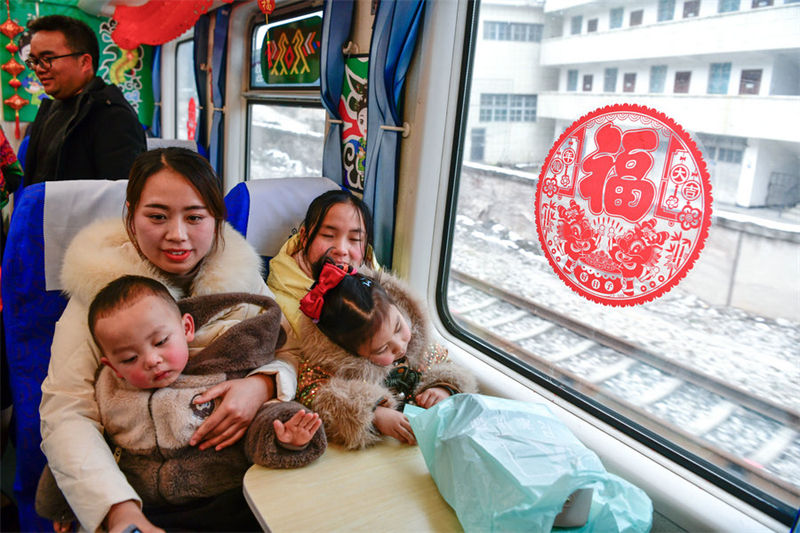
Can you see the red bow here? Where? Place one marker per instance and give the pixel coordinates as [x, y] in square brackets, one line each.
[331, 275]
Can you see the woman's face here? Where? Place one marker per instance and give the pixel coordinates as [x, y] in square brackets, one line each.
[172, 224]
[343, 233]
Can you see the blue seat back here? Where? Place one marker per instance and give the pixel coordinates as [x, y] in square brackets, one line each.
[45, 219]
[269, 211]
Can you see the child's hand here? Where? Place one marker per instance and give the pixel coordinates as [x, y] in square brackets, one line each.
[298, 430]
[62, 527]
[394, 424]
[431, 397]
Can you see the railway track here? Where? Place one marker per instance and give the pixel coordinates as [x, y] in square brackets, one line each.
[732, 428]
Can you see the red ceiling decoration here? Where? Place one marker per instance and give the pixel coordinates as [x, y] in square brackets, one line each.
[156, 22]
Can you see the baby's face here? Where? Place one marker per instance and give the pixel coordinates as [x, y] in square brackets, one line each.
[146, 344]
[390, 341]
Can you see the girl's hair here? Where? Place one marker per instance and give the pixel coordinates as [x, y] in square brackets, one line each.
[323, 203]
[353, 310]
[124, 292]
[188, 164]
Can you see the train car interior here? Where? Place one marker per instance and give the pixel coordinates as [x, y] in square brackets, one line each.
[468, 128]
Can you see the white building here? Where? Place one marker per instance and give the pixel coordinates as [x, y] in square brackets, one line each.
[728, 71]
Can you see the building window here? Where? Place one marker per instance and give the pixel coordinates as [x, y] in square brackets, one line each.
[587, 82]
[750, 82]
[577, 22]
[629, 82]
[487, 101]
[666, 10]
[658, 78]
[762, 3]
[478, 138]
[512, 31]
[682, 80]
[591, 26]
[572, 80]
[718, 78]
[610, 80]
[691, 9]
[636, 17]
[523, 108]
[616, 17]
[727, 6]
[730, 156]
[508, 108]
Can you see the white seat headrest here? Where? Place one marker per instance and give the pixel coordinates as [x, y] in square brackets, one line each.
[277, 208]
[69, 206]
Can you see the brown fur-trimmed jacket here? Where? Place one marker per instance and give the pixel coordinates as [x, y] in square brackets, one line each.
[149, 430]
[345, 389]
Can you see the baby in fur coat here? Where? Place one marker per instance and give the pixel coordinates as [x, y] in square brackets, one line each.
[146, 391]
[366, 352]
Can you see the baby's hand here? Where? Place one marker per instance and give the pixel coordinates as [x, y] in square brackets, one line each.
[394, 424]
[298, 430]
[62, 527]
[432, 396]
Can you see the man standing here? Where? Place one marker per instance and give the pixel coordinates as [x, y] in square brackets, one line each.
[88, 130]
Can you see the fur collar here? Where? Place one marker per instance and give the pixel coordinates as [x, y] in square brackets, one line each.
[102, 252]
[320, 351]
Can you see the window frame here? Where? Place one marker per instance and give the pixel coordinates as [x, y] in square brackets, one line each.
[566, 396]
[294, 96]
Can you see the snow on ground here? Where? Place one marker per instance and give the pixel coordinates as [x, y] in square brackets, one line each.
[757, 354]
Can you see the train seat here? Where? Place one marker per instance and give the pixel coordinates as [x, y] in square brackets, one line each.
[45, 219]
[269, 211]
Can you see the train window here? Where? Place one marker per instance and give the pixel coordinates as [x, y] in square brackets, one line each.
[187, 110]
[286, 120]
[708, 373]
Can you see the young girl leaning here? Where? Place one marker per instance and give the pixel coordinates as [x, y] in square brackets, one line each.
[366, 352]
[337, 224]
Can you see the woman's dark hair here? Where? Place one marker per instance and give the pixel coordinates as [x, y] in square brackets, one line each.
[323, 203]
[353, 310]
[188, 164]
[80, 36]
[124, 292]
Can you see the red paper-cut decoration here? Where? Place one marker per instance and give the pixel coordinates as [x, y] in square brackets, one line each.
[191, 121]
[156, 22]
[11, 29]
[623, 205]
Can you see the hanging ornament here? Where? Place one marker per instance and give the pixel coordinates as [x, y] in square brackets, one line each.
[11, 29]
[267, 7]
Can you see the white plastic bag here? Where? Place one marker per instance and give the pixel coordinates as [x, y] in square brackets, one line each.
[504, 465]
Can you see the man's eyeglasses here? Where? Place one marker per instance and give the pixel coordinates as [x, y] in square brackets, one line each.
[47, 62]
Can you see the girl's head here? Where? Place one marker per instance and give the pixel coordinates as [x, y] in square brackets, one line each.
[337, 224]
[174, 208]
[356, 313]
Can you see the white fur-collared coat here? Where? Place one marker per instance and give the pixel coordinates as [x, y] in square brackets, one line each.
[72, 439]
[345, 389]
[150, 429]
